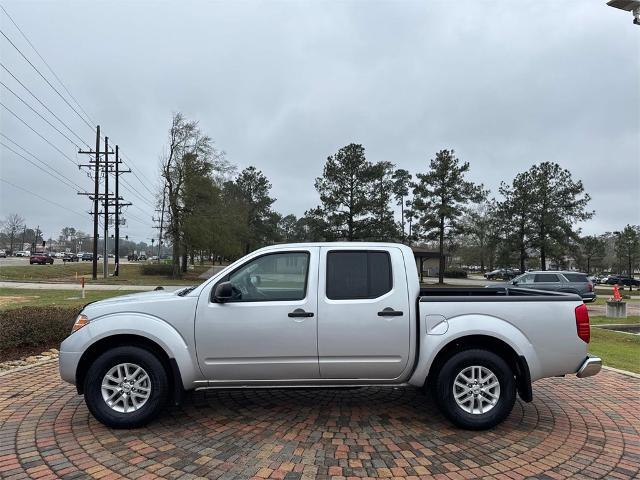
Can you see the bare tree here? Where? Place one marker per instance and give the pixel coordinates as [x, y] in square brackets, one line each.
[11, 226]
[190, 155]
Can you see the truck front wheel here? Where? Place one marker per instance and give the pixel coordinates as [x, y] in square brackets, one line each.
[126, 387]
[475, 389]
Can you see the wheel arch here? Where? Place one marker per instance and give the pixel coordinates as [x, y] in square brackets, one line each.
[490, 343]
[127, 339]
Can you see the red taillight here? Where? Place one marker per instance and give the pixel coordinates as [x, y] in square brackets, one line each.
[582, 323]
[590, 287]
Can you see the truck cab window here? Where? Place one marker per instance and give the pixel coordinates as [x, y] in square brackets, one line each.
[358, 274]
[272, 277]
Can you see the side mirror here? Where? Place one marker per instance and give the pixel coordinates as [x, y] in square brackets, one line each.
[515, 282]
[223, 293]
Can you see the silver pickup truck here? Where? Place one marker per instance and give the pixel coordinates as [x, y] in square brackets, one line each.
[325, 314]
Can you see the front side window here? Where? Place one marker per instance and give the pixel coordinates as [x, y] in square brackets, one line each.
[524, 279]
[272, 277]
[546, 278]
[358, 274]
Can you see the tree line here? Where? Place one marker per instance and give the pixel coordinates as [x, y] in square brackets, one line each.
[214, 211]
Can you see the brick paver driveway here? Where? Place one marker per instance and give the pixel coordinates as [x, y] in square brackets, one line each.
[574, 428]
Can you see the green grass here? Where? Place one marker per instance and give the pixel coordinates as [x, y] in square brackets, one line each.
[602, 300]
[608, 292]
[71, 272]
[618, 350]
[602, 320]
[11, 298]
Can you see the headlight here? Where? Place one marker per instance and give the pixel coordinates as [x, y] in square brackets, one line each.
[80, 322]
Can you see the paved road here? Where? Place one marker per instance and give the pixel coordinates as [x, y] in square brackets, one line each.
[76, 286]
[24, 261]
[574, 428]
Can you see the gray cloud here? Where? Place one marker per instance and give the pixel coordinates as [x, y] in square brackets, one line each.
[282, 85]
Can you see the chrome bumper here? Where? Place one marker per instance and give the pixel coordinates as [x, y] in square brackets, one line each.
[590, 367]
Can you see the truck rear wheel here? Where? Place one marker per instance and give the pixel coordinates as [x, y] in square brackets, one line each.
[126, 387]
[475, 389]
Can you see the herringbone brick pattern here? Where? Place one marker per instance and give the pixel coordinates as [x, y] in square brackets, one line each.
[573, 429]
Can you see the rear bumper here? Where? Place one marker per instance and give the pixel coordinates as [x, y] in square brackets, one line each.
[590, 367]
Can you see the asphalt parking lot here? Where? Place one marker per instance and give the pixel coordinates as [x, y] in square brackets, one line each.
[574, 428]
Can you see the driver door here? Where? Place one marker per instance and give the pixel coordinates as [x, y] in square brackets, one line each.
[268, 330]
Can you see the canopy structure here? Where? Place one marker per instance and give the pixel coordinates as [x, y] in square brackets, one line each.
[422, 254]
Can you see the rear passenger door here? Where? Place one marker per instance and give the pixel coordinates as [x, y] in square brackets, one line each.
[363, 313]
[547, 281]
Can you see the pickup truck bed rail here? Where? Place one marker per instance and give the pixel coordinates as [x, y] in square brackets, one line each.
[493, 294]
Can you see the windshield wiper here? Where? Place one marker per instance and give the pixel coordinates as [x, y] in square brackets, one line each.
[182, 293]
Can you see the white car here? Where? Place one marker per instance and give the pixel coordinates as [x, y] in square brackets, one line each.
[23, 253]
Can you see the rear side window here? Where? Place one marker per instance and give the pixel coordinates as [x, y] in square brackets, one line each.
[576, 277]
[358, 274]
[546, 277]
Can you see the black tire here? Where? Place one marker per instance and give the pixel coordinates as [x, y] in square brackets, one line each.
[149, 410]
[445, 384]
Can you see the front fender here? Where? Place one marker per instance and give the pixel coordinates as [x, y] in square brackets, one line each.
[467, 325]
[139, 324]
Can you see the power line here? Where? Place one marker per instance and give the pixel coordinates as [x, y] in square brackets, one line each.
[37, 133]
[139, 179]
[45, 79]
[55, 174]
[43, 104]
[41, 197]
[45, 62]
[130, 188]
[39, 114]
[137, 194]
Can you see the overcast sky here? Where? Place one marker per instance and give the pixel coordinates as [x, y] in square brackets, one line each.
[282, 85]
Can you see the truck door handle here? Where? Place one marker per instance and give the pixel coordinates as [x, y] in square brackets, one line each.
[300, 313]
[390, 312]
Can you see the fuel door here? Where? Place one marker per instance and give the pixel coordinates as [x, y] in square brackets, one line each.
[436, 324]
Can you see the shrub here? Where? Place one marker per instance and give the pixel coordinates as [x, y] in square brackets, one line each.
[455, 273]
[35, 326]
[163, 269]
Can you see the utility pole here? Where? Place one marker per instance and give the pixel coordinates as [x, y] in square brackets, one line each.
[105, 258]
[117, 219]
[96, 198]
[164, 196]
[118, 205]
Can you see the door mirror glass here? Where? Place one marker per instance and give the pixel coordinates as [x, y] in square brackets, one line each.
[223, 292]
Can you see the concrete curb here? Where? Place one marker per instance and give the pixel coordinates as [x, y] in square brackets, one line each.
[623, 372]
[26, 367]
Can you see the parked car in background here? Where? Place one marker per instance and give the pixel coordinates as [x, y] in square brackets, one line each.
[502, 274]
[87, 257]
[23, 253]
[59, 255]
[70, 257]
[3, 254]
[41, 258]
[557, 281]
[623, 280]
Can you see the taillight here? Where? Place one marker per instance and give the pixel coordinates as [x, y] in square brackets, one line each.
[582, 323]
[590, 287]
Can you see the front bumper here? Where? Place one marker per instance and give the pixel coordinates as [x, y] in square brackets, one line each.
[590, 367]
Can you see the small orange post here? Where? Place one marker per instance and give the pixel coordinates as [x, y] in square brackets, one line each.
[616, 293]
[83, 286]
